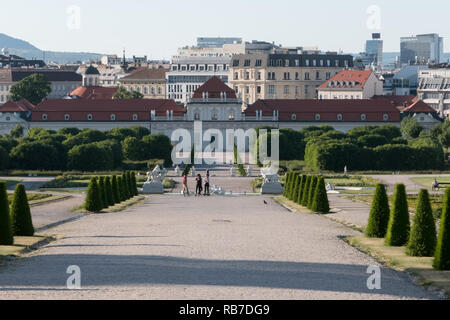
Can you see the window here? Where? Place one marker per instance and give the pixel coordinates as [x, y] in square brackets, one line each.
[293, 117]
[247, 90]
[287, 76]
[258, 76]
[271, 89]
[297, 63]
[113, 117]
[286, 89]
[328, 75]
[339, 117]
[286, 62]
[135, 117]
[159, 90]
[247, 76]
[236, 63]
[317, 117]
[258, 89]
[317, 75]
[89, 117]
[214, 116]
[196, 116]
[67, 117]
[306, 75]
[296, 76]
[307, 62]
[258, 63]
[247, 63]
[363, 117]
[385, 117]
[236, 75]
[231, 116]
[44, 117]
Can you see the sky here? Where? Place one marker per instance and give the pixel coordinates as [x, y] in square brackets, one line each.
[157, 28]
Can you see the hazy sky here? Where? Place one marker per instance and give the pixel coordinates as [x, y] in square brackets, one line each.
[157, 28]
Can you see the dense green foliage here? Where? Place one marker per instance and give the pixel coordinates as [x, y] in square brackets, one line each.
[311, 191]
[22, 223]
[6, 231]
[305, 192]
[34, 88]
[379, 214]
[422, 240]
[397, 234]
[123, 93]
[301, 189]
[73, 149]
[320, 203]
[410, 128]
[442, 254]
[293, 186]
[93, 202]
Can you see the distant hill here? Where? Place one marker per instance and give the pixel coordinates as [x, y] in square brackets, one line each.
[26, 50]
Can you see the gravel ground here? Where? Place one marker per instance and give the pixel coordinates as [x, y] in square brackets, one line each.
[202, 248]
[356, 213]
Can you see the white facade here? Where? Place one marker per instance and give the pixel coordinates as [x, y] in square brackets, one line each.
[434, 89]
[372, 87]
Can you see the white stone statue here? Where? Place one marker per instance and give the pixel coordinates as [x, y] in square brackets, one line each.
[177, 171]
[193, 171]
[271, 181]
[249, 171]
[233, 171]
[154, 185]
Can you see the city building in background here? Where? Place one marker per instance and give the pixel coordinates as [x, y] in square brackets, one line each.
[434, 89]
[373, 55]
[424, 48]
[209, 42]
[351, 84]
[287, 74]
[150, 82]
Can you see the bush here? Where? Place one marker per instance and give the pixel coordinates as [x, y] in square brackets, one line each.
[133, 177]
[130, 184]
[312, 190]
[35, 155]
[320, 202]
[422, 241]
[442, 254]
[102, 191]
[286, 184]
[6, 232]
[122, 190]
[126, 186]
[379, 214]
[116, 189]
[109, 192]
[298, 200]
[397, 234]
[81, 158]
[305, 192]
[93, 202]
[21, 221]
[293, 186]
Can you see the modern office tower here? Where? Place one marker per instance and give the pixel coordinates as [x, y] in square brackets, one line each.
[421, 49]
[374, 51]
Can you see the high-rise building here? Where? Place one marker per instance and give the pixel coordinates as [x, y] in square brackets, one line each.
[424, 48]
[374, 51]
[216, 42]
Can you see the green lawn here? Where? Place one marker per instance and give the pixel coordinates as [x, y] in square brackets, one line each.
[435, 199]
[428, 181]
[32, 197]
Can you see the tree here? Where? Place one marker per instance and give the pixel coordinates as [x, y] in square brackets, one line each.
[93, 202]
[109, 192]
[22, 223]
[320, 201]
[17, 132]
[35, 155]
[305, 192]
[116, 189]
[422, 241]
[34, 88]
[410, 128]
[4, 158]
[379, 214]
[102, 191]
[158, 146]
[442, 254]
[80, 157]
[132, 149]
[397, 234]
[6, 232]
[311, 191]
[123, 93]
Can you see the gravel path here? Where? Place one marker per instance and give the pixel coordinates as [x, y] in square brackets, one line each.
[202, 248]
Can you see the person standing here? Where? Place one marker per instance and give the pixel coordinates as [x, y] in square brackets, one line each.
[206, 193]
[199, 187]
[185, 186]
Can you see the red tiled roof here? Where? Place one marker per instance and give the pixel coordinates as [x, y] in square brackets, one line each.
[353, 79]
[23, 105]
[78, 109]
[214, 87]
[403, 101]
[306, 110]
[419, 107]
[94, 92]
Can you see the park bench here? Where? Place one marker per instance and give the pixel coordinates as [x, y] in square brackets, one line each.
[439, 186]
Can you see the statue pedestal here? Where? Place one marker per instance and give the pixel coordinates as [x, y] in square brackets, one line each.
[153, 188]
[271, 188]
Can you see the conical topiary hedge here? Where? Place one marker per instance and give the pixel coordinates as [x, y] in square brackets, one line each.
[6, 231]
[130, 184]
[109, 191]
[397, 234]
[135, 189]
[305, 192]
[116, 189]
[123, 192]
[22, 223]
[442, 254]
[320, 202]
[379, 214]
[93, 202]
[102, 191]
[294, 186]
[298, 194]
[125, 189]
[422, 240]
[286, 183]
[312, 190]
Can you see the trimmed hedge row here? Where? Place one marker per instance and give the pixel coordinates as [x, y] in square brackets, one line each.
[17, 220]
[104, 192]
[308, 191]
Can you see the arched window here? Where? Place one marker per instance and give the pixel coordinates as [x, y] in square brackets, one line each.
[113, 117]
[196, 116]
[159, 90]
[363, 117]
[67, 117]
[317, 117]
[145, 90]
[293, 117]
[385, 117]
[89, 117]
[135, 117]
[339, 117]
[44, 117]
[231, 116]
